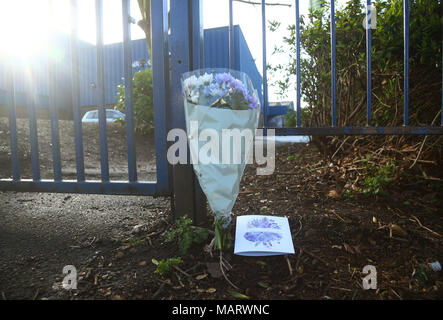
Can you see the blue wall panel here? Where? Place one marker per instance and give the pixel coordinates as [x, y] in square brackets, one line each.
[216, 56]
[216, 44]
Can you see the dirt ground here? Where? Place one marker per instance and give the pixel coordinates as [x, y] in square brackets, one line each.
[334, 235]
[118, 161]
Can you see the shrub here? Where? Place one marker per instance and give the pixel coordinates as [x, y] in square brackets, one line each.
[143, 101]
[387, 69]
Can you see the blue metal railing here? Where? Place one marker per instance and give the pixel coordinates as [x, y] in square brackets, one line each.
[75, 72]
[13, 124]
[127, 57]
[406, 61]
[334, 129]
[101, 96]
[161, 88]
[56, 163]
[163, 93]
[368, 63]
[298, 67]
[333, 67]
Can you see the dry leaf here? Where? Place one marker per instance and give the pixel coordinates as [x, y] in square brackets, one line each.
[348, 248]
[333, 194]
[396, 229]
[201, 276]
[237, 295]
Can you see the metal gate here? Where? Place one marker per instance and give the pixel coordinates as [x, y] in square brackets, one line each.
[161, 91]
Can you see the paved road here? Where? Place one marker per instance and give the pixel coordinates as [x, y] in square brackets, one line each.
[41, 233]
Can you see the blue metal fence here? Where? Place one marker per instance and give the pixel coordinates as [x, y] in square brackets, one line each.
[186, 48]
[161, 109]
[333, 129]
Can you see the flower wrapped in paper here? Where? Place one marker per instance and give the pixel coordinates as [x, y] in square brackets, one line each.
[222, 111]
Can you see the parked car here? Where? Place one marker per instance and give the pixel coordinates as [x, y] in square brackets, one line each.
[111, 116]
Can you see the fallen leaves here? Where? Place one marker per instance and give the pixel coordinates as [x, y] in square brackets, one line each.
[201, 276]
[334, 194]
[238, 295]
[396, 230]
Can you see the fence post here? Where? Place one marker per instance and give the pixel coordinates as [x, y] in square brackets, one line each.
[186, 55]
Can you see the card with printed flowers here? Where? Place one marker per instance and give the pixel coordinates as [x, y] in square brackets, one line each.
[258, 235]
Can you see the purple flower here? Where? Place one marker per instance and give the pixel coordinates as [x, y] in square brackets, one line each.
[217, 90]
[223, 78]
[238, 86]
[263, 223]
[253, 104]
[265, 238]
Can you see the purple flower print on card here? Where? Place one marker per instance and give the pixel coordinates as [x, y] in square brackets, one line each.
[264, 238]
[263, 223]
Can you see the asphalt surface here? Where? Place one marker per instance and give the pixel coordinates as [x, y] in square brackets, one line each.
[41, 233]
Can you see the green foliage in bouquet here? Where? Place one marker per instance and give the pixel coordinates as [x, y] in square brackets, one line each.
[143, 101]
[223, 235]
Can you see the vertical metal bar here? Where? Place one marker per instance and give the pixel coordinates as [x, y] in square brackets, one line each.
[297, 30]
[129, 102]
[75, 75]
[198, 61]
[161, 83]
[101, 98]
[12, 123]
[198, 52]
[52, 100]
[406, 61]
[368, 62]
[333, 67]
[265, 80]
[182, 60]
[231, 36]
[33, 135]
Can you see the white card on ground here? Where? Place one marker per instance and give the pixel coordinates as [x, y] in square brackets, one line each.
[257, 235]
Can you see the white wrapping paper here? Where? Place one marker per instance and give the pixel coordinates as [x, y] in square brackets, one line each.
[220, 182]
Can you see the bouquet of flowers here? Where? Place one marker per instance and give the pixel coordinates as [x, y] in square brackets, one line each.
[218, 102]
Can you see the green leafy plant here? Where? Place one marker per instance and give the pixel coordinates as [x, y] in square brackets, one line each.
[186, 234]
[143, 101]
[378, 177]
[291, 117]
[165, 266]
